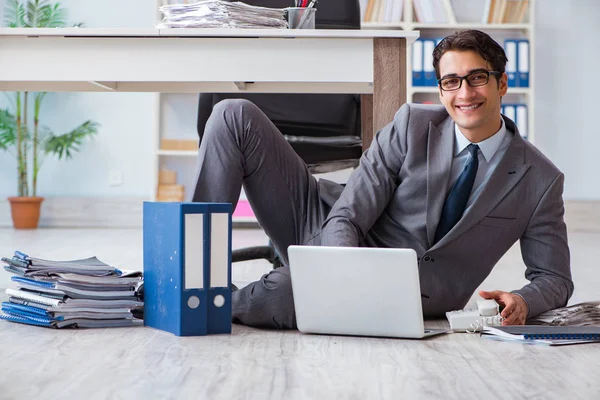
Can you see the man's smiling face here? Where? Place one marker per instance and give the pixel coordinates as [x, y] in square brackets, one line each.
[476, 110]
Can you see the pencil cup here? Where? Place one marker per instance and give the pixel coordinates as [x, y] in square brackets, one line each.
[301, 17]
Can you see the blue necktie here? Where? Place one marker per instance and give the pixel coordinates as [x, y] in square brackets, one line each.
[455, 204]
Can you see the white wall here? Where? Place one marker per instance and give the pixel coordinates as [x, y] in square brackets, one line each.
[124, 139]
[565, 75]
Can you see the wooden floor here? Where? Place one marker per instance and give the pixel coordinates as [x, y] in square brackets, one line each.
[144, 363]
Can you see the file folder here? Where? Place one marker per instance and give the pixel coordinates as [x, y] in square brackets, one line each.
[522, 120]
[219, 292]
[187, 267]
[523, 63]
[428, 71]
[417, 63]
[510, 47]
[510, 112]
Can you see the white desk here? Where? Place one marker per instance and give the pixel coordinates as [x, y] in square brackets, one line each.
[370, 63]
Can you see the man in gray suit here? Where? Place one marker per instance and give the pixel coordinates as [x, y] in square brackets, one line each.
[457, 183]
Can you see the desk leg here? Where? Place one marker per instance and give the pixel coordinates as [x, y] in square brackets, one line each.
[366, 119]
[389, 86]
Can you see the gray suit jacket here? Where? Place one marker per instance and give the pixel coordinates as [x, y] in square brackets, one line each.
[395, 199]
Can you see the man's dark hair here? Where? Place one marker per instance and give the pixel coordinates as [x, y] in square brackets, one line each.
[471, 40]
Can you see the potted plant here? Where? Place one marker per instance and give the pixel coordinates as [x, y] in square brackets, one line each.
[28, 140]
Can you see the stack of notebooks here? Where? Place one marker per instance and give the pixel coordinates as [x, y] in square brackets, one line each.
[581, 314]
[539, 334]
[579, 323]
[221, 14]
[83, 293]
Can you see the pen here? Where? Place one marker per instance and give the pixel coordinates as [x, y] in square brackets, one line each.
[305, 16]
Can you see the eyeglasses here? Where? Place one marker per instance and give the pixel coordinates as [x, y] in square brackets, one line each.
[474, 79]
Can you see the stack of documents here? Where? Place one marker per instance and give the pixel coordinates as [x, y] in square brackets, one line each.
[582, 314]
[548, 335]
[78, 293]
[221, 14]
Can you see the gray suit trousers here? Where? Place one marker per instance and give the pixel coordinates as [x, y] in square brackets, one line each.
[242, 147]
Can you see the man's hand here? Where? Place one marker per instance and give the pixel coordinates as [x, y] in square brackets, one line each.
[515, 309]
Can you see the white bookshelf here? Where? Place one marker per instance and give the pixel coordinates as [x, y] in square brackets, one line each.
[498, 31]
[462, 25]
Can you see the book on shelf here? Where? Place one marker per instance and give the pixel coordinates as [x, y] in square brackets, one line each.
[179, 144]
[518, 113]
[517, 68]
[168, 189]
[442, 11]
[387, 11]
[170, 192]
[505, 11]
[167, 177]
[434, 11]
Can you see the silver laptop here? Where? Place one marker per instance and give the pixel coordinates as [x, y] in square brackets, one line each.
[357, 291]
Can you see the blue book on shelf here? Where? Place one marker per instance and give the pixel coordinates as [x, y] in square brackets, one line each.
[187, 267]
[510, 111]
[522, 119]
[523, 63]
[510, 48]
[429, 78]
[417, 63]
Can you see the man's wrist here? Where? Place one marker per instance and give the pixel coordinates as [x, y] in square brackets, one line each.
[524, 301]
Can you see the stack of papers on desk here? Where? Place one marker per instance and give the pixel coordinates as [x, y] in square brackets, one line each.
[582, 314]
[221, 14]
[548, 335]
[78, 293]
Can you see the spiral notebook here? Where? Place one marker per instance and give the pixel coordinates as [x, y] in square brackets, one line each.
[549, 335]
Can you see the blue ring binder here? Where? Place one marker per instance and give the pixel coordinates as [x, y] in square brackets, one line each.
[187, 255]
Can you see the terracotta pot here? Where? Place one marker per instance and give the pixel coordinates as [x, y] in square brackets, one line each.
[25, 211]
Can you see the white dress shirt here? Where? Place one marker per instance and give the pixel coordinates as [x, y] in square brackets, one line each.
[489, 154]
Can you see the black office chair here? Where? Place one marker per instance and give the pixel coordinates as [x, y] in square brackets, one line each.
[324, 129]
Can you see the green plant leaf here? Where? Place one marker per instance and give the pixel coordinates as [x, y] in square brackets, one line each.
[53, 16]
[41, 14]
[34, 13]
[14, 14]
[66, 144]
[8, 130]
